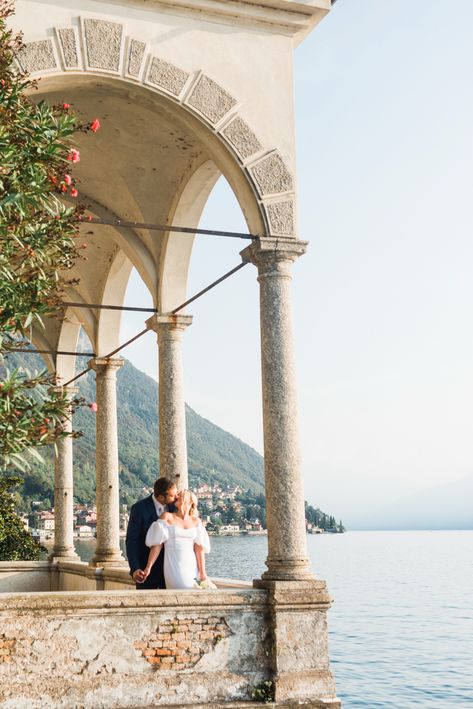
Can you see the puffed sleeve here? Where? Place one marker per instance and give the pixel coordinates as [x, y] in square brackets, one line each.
[157, 534]
[202, 538]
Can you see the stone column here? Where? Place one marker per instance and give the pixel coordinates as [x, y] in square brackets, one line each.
[107, 550]
[172, 412]
[63, 490]
[287, 549]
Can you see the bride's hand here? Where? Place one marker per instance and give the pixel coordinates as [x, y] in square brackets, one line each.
[203, 577]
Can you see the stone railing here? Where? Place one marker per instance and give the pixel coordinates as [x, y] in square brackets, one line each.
[40, 576]
[72, 635]
[129, 649]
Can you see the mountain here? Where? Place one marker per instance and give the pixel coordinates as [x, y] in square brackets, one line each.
[213, 454]
[445, 506]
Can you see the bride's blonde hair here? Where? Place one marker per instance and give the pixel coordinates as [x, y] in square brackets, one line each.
[190, 496]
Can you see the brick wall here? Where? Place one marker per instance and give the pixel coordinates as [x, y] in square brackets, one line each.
[180, 643]
[7, 648]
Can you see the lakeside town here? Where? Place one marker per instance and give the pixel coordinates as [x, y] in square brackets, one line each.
[225, 510]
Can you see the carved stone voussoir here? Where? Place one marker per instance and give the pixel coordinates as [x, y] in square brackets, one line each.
[241, 138]
[281, 217]
[166, 76]
[210, 99]
[103, 42]
[271, 175]
[37, 56]
[136, 52]
[67, 41]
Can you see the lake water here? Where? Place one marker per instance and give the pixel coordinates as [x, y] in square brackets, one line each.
[401, 627]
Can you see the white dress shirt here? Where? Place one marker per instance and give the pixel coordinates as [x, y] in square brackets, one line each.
[159, 507]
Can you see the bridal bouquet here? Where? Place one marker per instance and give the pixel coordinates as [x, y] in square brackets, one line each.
[204, 585]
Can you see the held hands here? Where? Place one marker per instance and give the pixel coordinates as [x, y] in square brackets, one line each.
[139, 576]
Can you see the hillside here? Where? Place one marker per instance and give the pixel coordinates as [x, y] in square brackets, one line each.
[213, 454]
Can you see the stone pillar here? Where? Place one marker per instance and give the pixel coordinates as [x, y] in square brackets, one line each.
[63, 490]
[172, 412]
[287, 548]
[297, 622]
[107, 550]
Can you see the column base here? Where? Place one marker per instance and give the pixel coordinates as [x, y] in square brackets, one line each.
[288, 570]
[107, 560]
[63, 555]
[299, 661]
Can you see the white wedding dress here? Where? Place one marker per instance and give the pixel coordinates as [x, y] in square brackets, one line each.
[180, 564]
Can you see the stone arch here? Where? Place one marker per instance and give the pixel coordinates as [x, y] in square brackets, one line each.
[103, 47]
[67, 342]
[108, 330]
[178, 247]
[41, 342]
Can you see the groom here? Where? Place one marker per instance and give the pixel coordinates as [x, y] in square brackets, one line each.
[142, 516]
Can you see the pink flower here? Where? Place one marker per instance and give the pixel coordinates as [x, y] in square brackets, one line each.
[95, 125]
[68, 179]
[93, 406]
[74, 192]
[66, 106]
[74, 155]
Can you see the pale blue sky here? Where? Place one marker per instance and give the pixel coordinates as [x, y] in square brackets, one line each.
[383, 300]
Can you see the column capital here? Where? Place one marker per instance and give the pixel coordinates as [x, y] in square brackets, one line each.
[168, 322]
[105, 364]
[267, 252]
[68, 391]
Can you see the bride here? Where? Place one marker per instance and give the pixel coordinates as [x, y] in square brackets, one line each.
[186, 542]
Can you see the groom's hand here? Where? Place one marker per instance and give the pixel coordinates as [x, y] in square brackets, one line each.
[138, 576]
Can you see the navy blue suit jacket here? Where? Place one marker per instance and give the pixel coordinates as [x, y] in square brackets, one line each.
[142, 516]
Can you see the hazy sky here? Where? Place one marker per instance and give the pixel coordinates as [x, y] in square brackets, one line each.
[383, 300]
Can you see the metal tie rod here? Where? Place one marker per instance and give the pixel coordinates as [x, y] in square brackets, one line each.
[52, 352]
[122, 224]
[212, 285]
[108, 307]
[180, 307]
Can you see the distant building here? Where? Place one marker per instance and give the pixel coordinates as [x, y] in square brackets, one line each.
[45, 521]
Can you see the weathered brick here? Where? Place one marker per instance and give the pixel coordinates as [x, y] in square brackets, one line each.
[183, 659]
[7, 658]
[179, 636]
[167, 660]
[221, 627]
[163, 636]
[183, 628]
[162, 652]
[140, 645]
[196, 627]
[156, 643]
[206, 635]
[154, 660]
[149, 651]
[4, 651]
[184, 645]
